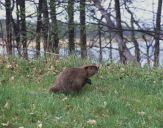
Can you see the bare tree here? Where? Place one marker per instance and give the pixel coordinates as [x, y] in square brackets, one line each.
[157, 35]
[133, 39]
[23, 28]
[8, 27]
[100, 41]
[83, 42]
[111, 26]
[16, 26]
[38, 27]
[71, 26]
[54, 32]
[120, 32]
[45, 26]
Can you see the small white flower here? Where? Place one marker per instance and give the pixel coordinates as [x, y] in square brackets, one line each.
[64, 99]
[5, 124]
[12, 78]
[141, 113]
[122, 69]
[57, 118]
[39, 124]
[7, 105]
[92, 122]
[51, 67]
[115, 91]
[9, 66]
[105, 103]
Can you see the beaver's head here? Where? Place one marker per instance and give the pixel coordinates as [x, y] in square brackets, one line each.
[91, 69]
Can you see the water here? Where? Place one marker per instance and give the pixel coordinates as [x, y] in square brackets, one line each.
[93, 53]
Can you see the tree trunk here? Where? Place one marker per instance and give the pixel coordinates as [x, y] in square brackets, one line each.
[147, 49]
[110, 25]
[133, 39]
[120, 31]
[38, 28]
[8, 27]
[137, 50]
[23, 28]
[71, 26]
[17, 27]
[83, 42]
[54, 32]
[111, 49]
[45, 26]
[100, 42]
[157, 35]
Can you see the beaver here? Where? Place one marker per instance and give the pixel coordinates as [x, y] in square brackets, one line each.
[73, 79]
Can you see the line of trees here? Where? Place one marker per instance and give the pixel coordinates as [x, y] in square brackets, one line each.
[110, 26]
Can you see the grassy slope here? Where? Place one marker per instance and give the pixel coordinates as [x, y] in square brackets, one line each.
[120, 97]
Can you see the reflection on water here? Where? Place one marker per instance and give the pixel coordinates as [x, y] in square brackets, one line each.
[94, 53]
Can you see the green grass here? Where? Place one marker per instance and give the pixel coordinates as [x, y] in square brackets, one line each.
[119, 97]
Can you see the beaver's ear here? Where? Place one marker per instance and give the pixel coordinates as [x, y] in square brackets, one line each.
[98, 66]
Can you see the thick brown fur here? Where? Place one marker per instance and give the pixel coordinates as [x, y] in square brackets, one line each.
[73, 79]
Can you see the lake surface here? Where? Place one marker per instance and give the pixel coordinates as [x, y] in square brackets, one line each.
[94, 53]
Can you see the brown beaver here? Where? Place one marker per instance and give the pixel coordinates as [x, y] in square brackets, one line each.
[73, 79]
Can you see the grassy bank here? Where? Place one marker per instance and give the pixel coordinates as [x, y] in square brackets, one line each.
[119, 97]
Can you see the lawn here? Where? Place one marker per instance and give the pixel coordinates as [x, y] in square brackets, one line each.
[119, 97]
